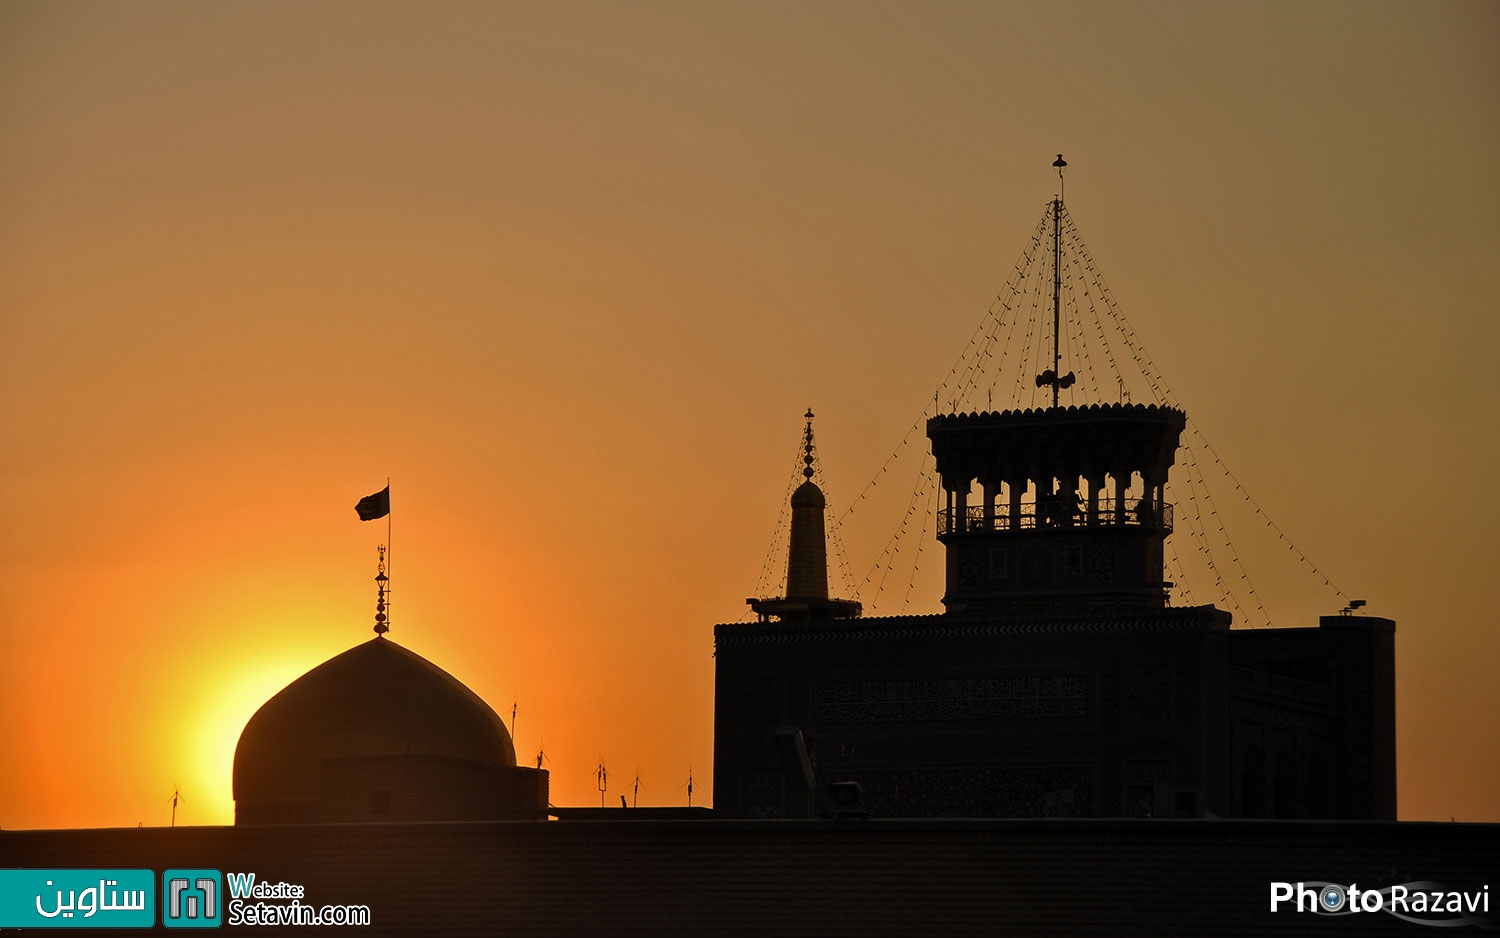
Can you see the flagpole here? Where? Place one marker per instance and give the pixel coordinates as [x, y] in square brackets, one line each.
[388, 545]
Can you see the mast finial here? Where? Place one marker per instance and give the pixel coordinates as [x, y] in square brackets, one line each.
[380, 604]
[1061, 165]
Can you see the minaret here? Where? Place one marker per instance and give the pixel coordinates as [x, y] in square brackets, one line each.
[807, 554]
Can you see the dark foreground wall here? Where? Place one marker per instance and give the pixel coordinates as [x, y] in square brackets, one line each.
[1007, 877]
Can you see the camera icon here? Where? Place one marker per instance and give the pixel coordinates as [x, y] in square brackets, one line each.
[1332, 898]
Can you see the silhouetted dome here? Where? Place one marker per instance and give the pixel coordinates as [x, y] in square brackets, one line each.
[376, 699]
[807, 495]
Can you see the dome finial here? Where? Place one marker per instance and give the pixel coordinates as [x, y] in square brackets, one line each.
[381, 626]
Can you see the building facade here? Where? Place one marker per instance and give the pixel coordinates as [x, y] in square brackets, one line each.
[1058, 682]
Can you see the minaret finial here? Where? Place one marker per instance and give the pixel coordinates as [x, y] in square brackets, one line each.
[807, 448]
[380, 581]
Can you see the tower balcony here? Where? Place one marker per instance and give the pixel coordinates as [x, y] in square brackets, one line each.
[1054, 516]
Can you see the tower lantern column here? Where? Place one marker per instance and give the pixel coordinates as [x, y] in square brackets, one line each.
[1055, 552]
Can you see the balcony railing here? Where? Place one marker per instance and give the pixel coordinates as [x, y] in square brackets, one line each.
[1055, 515]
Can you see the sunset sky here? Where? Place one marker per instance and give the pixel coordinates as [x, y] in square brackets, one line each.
[569, 274]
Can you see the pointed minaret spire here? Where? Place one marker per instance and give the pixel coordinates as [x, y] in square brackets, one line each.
[807, 553]
[807, 446]
[807, 557]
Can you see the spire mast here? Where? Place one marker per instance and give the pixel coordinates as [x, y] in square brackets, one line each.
[1051, 376]
[386, 572]
[807, 446]
[1060, 163]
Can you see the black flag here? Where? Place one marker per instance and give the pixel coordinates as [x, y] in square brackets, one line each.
[375, 506]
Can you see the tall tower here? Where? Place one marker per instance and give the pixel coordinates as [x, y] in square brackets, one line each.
[1071, 516]
[807, 555]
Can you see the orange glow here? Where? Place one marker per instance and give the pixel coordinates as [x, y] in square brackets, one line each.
[570, 279]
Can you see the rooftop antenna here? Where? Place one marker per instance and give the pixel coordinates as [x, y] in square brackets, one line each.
[514, 702]
[635, 795]
[603, 778]
[176, 796]
[1050, 376]
[690, 786]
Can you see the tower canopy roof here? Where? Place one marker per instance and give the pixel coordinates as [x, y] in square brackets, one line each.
[376, 699]
[1057, 442]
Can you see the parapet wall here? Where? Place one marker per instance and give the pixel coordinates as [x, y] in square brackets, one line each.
[829, 878]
